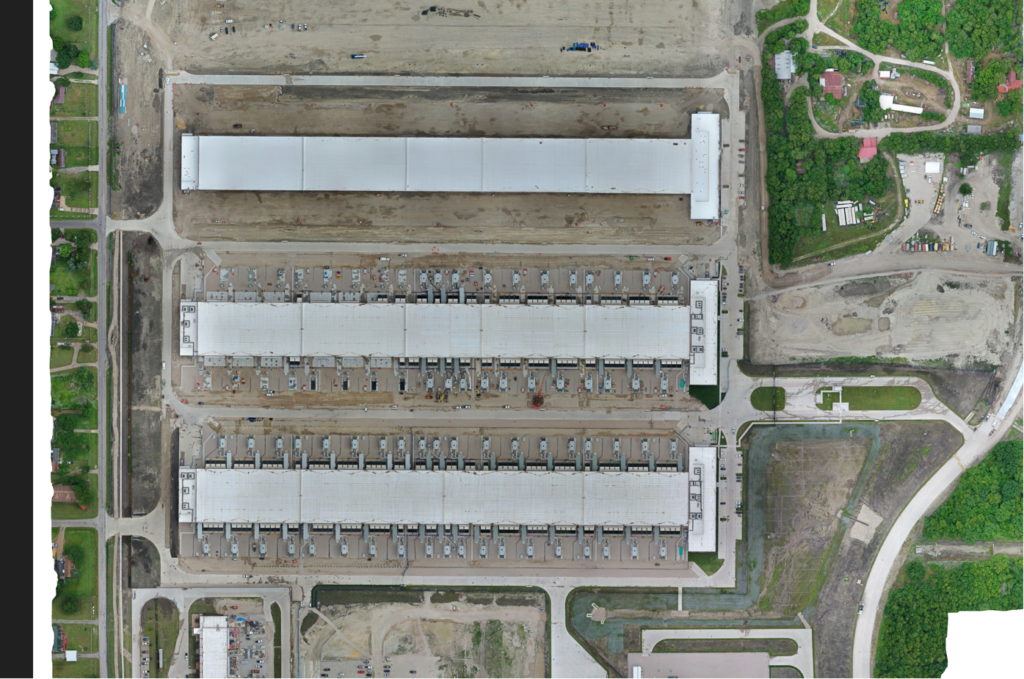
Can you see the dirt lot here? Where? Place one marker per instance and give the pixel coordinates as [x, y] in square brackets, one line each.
[980, 212]
[427, 217]
[506, 37]
[441, 634]
[145, 559]
[909, 454]
[809, 482]
[137, 135]
[921, 317]
[147, 460]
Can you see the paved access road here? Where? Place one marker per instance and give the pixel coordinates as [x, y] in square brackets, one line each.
[803, 660]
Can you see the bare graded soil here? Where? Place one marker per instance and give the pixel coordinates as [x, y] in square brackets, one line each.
[929, 319]
[909, 453]
[145, 560]
[436, 633]
[500, 37]
[138, 134]
[147, 458]
[438, 217]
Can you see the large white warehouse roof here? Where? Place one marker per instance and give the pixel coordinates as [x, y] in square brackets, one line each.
[437, 497]
[436, 164]
[439, 330]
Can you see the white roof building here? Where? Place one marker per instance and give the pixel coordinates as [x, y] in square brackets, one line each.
[977, 113]
[604, 331]
[784, 65]
[213, 645]
[885, 74]
[887, 102]
[461, 165]
[703, 525]
[409, 497]
[932, 167]
[704, 332]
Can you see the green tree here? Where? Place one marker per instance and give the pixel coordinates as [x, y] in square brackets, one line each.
[58, 43]
[965, 189]
[71, 330]
[70, 605]
[75, 23]
[74, 552]
[82, 60]
[915, 571]
[84, 307]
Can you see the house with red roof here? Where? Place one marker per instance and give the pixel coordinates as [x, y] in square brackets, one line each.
[868, 149]
[1011, 83]
[832, 81]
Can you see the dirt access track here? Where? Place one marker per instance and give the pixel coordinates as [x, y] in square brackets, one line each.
[438, 217]
[920, 317]
[501, 37]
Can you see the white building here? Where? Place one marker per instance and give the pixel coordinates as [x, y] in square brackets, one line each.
[704, 332]
[473, 165]
[784, 65]
[932, 167]
[976, 113]
[703, 525]
[213, 645]
[888, 102]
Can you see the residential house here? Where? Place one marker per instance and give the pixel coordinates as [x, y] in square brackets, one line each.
[832, 81]
[1011, 83]
[868, 149]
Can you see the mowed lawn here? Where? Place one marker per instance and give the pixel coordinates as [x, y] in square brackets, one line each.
[81, 100]
[761, 398]
[87, 39]
[82, 638]
[80, 139]
[64, 511]
[80, 189]
[84, 667]
[83, 584]
[875, 398]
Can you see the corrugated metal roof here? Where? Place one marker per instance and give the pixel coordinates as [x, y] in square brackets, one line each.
[439, 164]
[704, 363]
[438, 497]
[442, 330]
[702, 532]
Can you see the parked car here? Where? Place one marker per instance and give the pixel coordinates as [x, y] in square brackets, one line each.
[358, 56]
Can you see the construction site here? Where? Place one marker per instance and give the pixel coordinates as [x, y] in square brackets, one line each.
[433, 633]
[926, 316]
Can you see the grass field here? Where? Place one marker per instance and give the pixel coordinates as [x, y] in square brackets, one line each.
[708, 561]
[84, 667]
[87, 39]
[83, 584]
[68, 511]
[824, 38]
[82, 448]
[110, 604]
[87, 354]
[61, 356]
[81, 140]
[842, 21]
[275, 613]
[82, 638]
[81, 100]
[80, 189]
[57, 215]
[86, 333]
[773, 647]
[875, 398]
[71, 283]
[761, 398]
[160, 623]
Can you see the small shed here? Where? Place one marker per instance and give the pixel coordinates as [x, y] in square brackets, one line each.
[71, 656]
[977, 113]
[991, 248]
[974, 129]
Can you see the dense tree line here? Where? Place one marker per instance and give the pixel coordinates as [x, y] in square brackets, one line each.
[917, 35]
[814, 65]
[869, 96]
[829, 169]
[1011, 103]
[986, 504]
[976, 27]
[912, 639]
[988, 78]
[968, 146]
